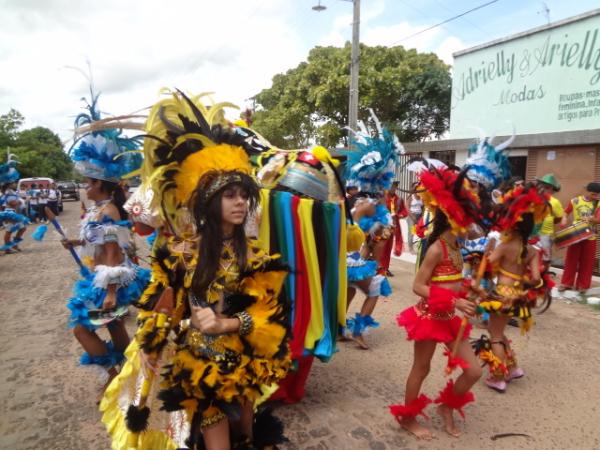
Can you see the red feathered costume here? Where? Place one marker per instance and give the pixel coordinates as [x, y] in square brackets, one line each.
[433, 318]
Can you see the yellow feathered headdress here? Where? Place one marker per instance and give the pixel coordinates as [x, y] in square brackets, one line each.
[186, 141]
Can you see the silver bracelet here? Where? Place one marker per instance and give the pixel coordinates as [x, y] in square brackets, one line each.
[246, 323]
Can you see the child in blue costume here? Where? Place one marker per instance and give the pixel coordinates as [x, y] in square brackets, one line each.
[362, 270]
[10, 219]
[13, 222]
[371, 166]
[110, 281]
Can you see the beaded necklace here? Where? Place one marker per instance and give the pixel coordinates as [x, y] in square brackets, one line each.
[454, 254]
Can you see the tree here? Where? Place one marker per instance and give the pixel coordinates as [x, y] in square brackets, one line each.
[43, 161]
[37, 136]
[9, 126]
[408, 91]
[38, 150]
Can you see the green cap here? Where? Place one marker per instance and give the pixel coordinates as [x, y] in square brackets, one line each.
[550, 179]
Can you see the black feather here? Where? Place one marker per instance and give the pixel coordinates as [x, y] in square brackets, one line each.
[189, 125]
[483, 343]
[270, 266]
[236, 303]
[136, 418]
[168, 124]
[156, 138]
[172, 398]
[204, 126]
[267, 429]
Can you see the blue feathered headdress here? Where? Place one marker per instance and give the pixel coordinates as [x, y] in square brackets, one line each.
[8, 173]
[488, 165]
[372, 165]
[102, 152]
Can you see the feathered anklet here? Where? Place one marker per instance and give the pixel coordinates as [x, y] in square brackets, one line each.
[412, 409]
[451, 400]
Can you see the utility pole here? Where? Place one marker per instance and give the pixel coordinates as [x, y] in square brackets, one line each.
[354, 67]
[354, 61]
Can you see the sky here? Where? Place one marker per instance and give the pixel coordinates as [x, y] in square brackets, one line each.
[230, 47]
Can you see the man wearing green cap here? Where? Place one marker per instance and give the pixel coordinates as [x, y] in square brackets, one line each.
[549, 184]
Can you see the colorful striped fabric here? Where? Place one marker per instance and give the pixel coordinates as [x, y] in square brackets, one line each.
[311, 237]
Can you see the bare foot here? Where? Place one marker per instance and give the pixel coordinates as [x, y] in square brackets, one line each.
[361, 342]
[411, 425]
[343, 338]
[448, 418]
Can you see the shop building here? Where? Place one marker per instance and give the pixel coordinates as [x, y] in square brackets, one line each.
[544, 84]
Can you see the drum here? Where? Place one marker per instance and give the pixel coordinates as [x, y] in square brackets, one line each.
[579, 231]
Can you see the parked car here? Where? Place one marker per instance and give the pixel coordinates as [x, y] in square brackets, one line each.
[68, 189]
[25, 185]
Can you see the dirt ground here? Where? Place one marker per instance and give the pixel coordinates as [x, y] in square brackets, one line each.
[48, 401]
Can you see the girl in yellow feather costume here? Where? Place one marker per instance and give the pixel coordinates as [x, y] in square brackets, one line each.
[516, 264]
[225, 338]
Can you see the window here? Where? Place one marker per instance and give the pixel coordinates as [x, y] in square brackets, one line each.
[518, 166]
[404, 177]
[448, 157]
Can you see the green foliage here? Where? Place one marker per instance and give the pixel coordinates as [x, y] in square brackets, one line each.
[39, 150]
[409, 92]
[9, 125]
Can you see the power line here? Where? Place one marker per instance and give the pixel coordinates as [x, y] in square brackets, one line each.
[421, 12]
[486, 33]
[445, 21]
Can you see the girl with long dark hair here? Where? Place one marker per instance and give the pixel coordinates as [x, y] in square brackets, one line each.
[433, 319]
[226, 336]
[517, 267]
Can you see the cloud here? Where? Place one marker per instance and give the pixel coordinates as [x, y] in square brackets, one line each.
[436, 40]
[391, 35]
[135, 48]
[449, 46]
[374, 32]
[233, 48]
[341, 29]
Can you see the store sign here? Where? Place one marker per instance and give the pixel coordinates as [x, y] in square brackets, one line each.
[541, 83]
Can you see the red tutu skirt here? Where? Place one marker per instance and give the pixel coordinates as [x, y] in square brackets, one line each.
[420, 327]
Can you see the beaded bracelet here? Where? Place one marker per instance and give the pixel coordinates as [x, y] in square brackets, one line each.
[246, 323]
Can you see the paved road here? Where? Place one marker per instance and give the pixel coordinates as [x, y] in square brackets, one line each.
[47, 401]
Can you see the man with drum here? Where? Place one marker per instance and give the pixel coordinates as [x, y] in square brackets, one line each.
[581, 255]
[549, 184]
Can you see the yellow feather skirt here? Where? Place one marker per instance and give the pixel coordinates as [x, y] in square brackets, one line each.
[166, 431]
